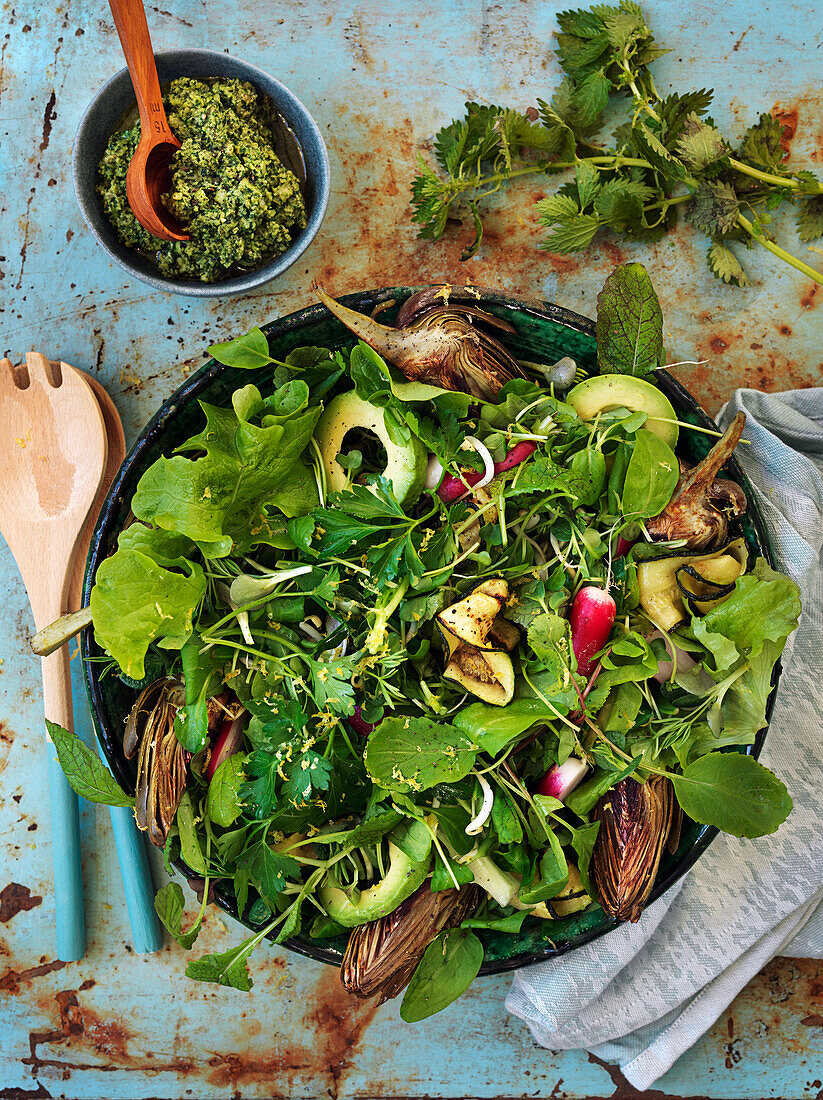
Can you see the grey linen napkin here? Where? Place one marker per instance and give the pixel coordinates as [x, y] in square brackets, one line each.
[645, 993]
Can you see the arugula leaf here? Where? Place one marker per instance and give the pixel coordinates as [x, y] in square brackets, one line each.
[448, 967]
[629, 323]
[220, 499]
[248, 352]
[191, 850]
[406, 754]
[87, 774]
[169, 904]
[148, 589]
[734, 793]
[228, 968]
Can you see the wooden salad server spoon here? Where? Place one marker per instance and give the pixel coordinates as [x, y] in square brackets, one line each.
[147, 935]
[148, 177]
[52, 459]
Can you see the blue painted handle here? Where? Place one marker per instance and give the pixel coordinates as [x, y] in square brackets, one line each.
[137, 885]
[131, 845]
[68, 873]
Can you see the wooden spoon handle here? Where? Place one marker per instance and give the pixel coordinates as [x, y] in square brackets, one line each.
[65, 818]
[130, 20]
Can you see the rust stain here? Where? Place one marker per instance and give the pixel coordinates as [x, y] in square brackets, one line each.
[739, 42]
[39, 1093]
[808, 299]
[623, 1090]
[341, 1020]
[15, 899]
[718, 344]
[787, 117]
[49, 115]
[784, 330]
[10, 981]
[815, 1020]
[6, 739]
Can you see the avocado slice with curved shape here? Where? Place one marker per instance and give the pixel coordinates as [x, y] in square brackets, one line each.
[403, 877]
[613, 391]
[406, 466]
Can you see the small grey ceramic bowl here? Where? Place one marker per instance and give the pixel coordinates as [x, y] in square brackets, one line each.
[105, 112]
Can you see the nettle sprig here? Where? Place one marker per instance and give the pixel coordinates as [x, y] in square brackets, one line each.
[667, 157]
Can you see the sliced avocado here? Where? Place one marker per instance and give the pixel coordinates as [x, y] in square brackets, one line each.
[402, 879]
[406, 466]
[614, 391]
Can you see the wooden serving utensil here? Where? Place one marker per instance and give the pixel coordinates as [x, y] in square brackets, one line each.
[148, 177]
[52, 459]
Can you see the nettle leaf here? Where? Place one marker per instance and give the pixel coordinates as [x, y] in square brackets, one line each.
[248, 352]
[656, 152]
[88, 776]
[676, 108]
[810, 218]
[809, 182]
[587, 179]
[571, 236]
[556, 208]
[583, 24]
[589, 100]
[714, 207]
[701, 143]
[619, 203]
[733, 793]
[761, 145]
[725, 265]
[629, 323]
[406, 754]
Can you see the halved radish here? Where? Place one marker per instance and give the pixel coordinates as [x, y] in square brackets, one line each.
[359, 724]
[452, 488]
[561, 779]
[229, 740]
[591, 618]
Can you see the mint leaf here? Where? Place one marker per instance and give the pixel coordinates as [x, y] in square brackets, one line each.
[450, 964]
[733, 793]
[87, 774]
[248, 352]
[406, 754]
[629, 323]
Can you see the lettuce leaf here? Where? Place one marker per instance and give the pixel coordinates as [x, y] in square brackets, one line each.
[220, 500]
[148, 589]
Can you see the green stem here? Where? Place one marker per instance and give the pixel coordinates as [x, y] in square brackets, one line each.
[781, 253]
[766, 177]
[544, 166]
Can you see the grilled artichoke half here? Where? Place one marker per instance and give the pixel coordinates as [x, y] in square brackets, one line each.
[637, 820]
[382, 955]
[439, 343]
[162, 762]
[702, 503]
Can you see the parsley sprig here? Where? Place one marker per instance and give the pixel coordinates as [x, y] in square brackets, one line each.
[667, 158]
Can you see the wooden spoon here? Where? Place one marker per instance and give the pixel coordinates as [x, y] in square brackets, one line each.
[52, 459]
[148, 177]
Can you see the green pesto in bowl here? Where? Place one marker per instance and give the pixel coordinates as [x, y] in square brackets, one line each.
[239, 202]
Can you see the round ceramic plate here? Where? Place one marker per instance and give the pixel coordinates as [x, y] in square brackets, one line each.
[543, 333]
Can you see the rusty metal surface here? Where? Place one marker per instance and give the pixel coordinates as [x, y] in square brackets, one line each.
[380, 80]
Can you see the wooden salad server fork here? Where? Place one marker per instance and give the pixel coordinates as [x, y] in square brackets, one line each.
[148, 178]
[53, 449]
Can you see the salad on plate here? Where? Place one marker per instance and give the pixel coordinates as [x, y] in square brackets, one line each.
[428, 642]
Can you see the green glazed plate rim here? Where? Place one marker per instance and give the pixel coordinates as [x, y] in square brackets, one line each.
[571, 334]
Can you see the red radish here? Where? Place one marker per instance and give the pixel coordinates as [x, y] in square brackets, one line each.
[359, 724]
[228, 741]
[592, 618]
[561, 779]
[685, 662]
[623, 547]
[452, 488]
